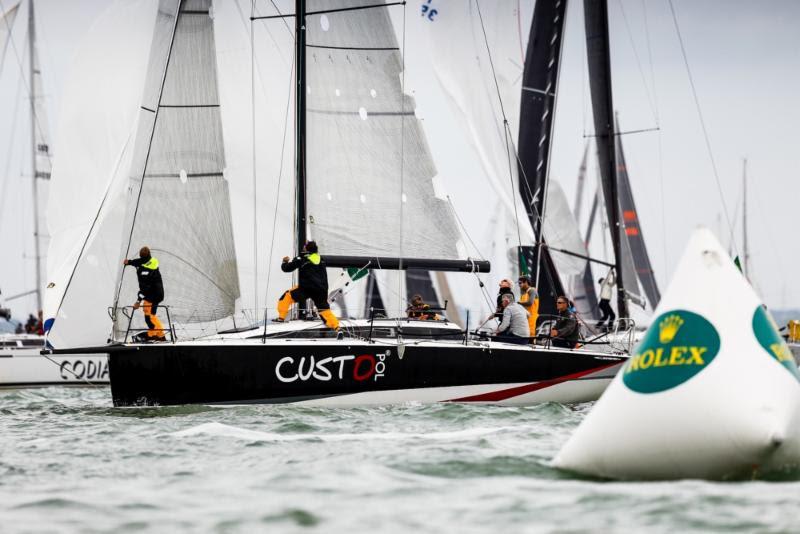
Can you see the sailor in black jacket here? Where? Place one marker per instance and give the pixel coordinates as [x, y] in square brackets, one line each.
[566, 332]
[312, 283]
[151, 292]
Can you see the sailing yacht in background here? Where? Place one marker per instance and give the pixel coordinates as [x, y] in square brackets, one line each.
[21, 361]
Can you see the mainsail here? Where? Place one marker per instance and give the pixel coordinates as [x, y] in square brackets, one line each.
[369, 188]
[179, 203]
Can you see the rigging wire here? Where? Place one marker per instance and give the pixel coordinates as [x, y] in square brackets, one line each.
[770, 239]
[11, 146]
[464, 228]
[280, 176]
[662, 197]
[703, 126]
[505, 121]
[650, 102]
[28, 90]
[149, 148]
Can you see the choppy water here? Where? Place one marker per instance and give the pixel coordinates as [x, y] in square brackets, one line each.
[71, 463]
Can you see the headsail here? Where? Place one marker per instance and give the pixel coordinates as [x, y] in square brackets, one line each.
[87, 203]
[179, 203]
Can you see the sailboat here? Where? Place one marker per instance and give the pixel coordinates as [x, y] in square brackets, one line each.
[21, 361]
[362, 191]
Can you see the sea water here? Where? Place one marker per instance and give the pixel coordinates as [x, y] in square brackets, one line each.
[69, 462]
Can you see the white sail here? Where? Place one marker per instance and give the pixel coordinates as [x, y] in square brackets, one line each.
[96, 127]
[562, 234]
[369, 170]
[260, 170]
[178, 202]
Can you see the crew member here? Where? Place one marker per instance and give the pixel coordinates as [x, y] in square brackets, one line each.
[419, 309]
[505, 289]
[151, 293]
[566, 332]
[514, 326]
[529, 299]
[606, 290]
[312, 283]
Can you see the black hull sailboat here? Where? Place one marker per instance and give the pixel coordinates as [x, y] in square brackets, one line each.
[335, 373]
[378, 361]
[425, 363]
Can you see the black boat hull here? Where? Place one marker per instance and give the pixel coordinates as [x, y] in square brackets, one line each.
[354, 373]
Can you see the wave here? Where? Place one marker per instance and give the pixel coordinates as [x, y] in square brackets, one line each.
[220, 429]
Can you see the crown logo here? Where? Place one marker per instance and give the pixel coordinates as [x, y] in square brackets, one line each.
[668, 328]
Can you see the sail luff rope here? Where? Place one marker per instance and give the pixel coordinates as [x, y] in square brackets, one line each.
[505, 122]
[703, 126]
[149, 147]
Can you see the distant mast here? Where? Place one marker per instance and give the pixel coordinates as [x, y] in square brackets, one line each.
[34, 171]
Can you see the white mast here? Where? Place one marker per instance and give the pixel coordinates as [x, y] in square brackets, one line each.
[35, 174]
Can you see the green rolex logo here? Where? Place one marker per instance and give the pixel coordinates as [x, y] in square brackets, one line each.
[768, 337]
[679, 345]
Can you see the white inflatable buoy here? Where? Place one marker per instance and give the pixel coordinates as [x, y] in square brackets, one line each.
[711, 391]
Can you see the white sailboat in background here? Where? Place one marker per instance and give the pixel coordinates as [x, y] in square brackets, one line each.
[21, 361]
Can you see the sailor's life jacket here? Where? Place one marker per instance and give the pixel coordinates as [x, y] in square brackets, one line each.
[312, 275]
[151, 287]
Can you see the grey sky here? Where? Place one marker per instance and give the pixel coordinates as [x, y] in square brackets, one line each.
[745, 60]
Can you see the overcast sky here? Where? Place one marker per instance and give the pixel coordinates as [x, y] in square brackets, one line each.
[745, 62]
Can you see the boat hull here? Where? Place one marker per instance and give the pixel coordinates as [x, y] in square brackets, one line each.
[28, 368]
[355, 374]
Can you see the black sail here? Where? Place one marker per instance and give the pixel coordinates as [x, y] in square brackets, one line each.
[597, 55]
[633, 231]
[539, 89]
